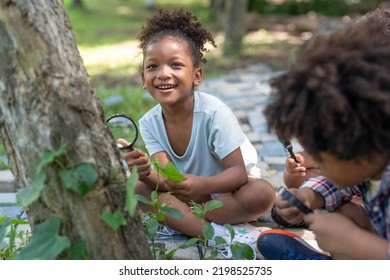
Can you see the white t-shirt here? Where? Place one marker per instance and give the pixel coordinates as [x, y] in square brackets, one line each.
[215, 134]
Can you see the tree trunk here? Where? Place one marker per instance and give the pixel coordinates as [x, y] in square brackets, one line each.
[47, 100]
[234, 26]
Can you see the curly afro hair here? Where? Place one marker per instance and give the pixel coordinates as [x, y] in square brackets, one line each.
[336, 97]
[179, 24]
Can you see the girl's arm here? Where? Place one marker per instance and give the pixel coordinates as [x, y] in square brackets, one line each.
[197, 188]
[233, 177]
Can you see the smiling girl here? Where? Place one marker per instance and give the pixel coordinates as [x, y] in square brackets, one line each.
[194, 130]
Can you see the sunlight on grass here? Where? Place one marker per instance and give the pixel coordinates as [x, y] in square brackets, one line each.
[109, 57]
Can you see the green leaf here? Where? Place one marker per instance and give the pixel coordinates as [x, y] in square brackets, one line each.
[49, 156]
[143, 199]
[208, 231]
[190, 242]
[198, 211]
[80, 180]
[30, 194]
[77, 251]
[174, 213]
[131, 199]
[170, 254]
[4, 223]
[16, 221]
[159, 216]
[231, 231]
[154, 195]
[170, 172]
[45, 243]
[219, 240]
[115, 220]
[3, 165]
[213, 204]
[213, 255]
[151, 227]
[242, 251]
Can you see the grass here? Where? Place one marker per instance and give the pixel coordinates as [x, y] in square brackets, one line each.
[103, 22]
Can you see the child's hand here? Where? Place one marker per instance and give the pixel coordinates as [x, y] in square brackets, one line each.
[294, 168]
[137, 158]
[288, 212]
[187, 190]
[334, 234]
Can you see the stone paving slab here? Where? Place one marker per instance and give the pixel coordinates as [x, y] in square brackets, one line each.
[6, 181]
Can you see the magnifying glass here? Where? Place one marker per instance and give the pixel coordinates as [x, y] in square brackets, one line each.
[123, 126]
[293, 200]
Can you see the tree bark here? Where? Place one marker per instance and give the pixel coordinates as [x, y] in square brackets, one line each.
[47, 100]
[234, 26]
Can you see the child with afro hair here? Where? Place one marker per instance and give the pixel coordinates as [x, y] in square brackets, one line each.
[335, 100]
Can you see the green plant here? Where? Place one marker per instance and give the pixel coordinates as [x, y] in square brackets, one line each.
[239, 250]
[161, 210]
[17, 239]
[46, 241]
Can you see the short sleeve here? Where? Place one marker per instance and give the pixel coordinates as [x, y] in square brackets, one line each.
[149, 135]
[226, 134]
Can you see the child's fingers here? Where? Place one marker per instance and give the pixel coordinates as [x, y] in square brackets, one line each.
[122, 142]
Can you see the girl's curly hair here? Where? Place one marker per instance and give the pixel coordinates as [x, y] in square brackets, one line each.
[180, 24]
[336, 97]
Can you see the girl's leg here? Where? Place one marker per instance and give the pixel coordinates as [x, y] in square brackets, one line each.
[244, 205]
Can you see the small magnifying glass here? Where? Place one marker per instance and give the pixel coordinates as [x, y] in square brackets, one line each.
[123, 126]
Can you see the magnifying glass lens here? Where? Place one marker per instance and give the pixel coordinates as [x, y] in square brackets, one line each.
[123, 127]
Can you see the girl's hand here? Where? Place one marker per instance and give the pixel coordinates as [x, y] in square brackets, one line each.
[190, 189]
[137, 158]
[293, 168]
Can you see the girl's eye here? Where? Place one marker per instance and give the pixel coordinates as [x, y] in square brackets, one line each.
[151, 66]
[176, 65]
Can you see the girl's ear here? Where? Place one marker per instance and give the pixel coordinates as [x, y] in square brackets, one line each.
[198, 77]
[143, 78]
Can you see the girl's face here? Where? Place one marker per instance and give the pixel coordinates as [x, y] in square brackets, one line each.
[168, 72]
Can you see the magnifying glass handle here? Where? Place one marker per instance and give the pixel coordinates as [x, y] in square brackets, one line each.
[287, 144]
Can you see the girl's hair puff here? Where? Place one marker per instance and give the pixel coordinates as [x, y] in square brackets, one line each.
[178, 24]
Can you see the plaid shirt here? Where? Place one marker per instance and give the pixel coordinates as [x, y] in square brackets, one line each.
[377, 207]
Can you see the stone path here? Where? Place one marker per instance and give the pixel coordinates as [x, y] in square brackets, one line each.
[246, 92]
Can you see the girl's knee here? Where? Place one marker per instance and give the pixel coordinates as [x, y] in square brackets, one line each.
[262, 196]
